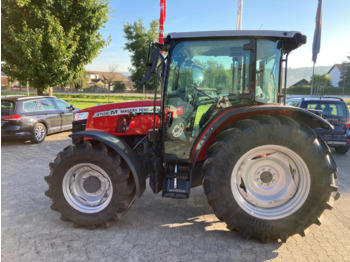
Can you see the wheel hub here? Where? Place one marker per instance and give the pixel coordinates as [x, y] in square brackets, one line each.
[92, 184]
[178, 130]
[87, 188]
[266, 177]
[270, 181]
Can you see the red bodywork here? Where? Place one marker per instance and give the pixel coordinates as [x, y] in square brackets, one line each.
[115, 119]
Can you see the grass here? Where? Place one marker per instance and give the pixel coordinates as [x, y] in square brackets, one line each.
[83, 101]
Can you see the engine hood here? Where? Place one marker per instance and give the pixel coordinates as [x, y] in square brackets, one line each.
[127, 106]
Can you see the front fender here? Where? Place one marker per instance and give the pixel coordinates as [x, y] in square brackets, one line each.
[124, 150]
[224, 119]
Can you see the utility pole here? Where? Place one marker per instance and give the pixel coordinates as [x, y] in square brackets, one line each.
[344, 85]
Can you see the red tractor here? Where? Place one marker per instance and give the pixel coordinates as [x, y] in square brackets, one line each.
[219, 124]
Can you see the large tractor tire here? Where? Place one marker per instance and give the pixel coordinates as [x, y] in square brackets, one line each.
[90, 185]
[270, 178]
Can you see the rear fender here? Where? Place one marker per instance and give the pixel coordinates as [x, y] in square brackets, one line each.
[225, 119]
[124, 150]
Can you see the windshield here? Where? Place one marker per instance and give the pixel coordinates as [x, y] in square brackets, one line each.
[222, 65]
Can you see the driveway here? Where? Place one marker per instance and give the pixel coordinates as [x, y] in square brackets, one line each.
[155, 229]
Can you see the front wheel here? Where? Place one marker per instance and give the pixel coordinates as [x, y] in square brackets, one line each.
[90, 185]
[269, 178]
[177, 128]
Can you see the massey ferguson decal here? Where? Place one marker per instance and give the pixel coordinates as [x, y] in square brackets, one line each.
[125, 111]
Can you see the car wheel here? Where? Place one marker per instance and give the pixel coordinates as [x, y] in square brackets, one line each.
[269, 178]
[342, 149]
[39, 133]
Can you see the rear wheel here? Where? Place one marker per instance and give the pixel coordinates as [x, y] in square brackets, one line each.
[39, 133]
[269, 178]
[90, 185]
[342, 149]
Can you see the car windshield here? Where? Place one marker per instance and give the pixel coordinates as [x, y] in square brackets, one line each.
[7, 108]
[329, 109]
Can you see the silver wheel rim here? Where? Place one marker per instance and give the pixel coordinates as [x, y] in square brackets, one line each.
[178, 129]
[87, 188]
[270, 182]
[39, 132]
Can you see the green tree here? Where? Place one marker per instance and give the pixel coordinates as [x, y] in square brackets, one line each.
[138, 39]
[344, 82]
[48, 42]
[119, 86]
[321, 82]
[81, 80]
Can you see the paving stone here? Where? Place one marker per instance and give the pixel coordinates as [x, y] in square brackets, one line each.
[155, 229]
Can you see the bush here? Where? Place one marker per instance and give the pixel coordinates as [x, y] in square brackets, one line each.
[118, 86]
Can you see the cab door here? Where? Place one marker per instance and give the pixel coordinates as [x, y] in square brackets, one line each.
[207, 80]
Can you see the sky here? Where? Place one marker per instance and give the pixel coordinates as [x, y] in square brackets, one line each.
[204, 15]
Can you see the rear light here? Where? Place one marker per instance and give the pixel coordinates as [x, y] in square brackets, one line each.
[179, 110]
[11, 117]
[348, 122]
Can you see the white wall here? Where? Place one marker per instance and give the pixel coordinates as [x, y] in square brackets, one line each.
[335, 75]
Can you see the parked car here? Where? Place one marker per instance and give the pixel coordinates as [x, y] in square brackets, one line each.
[335, 111]
[34, 117]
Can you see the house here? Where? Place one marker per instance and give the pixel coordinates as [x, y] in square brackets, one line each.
[302, 82]
[96, 78]
[335, 72]
[4, 80]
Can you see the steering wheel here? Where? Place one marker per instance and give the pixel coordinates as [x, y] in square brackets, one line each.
[200, 91]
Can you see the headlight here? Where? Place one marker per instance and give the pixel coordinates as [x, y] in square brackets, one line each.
[80, 116]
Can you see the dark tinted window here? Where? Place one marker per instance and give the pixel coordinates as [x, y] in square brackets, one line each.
[30, 106]
[328, 108]
[7, 108]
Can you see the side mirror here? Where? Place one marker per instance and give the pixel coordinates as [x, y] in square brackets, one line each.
[152, 65]
[72, 107]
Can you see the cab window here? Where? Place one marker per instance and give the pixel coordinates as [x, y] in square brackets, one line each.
[267, 71]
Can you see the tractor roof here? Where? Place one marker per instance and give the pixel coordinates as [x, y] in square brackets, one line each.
[297, 38]
[234, 33]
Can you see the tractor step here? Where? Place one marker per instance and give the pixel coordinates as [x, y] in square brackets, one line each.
[177, 181]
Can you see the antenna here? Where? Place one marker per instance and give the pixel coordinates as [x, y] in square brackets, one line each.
[239, 15]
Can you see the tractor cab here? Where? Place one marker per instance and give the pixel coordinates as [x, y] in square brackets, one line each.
[207, 73]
